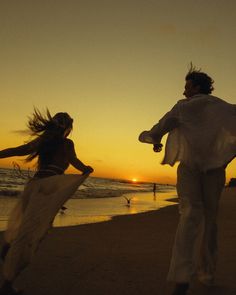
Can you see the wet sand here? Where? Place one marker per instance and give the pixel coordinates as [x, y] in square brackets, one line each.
[128, 255]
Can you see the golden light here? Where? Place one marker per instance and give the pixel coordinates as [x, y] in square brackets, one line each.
[134, 179]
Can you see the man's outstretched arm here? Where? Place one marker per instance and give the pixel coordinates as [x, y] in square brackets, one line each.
[154, 136]
[160, 129]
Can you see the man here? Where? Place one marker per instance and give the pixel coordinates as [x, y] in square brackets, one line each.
[202, 137]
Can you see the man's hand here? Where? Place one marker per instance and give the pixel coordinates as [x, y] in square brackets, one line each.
[157, 147]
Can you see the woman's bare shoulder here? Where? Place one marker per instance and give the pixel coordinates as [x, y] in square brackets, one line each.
[69, 144]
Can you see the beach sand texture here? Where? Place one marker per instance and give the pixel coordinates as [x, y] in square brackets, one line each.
[128, 255]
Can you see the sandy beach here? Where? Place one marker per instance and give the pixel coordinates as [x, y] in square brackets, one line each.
[127, 255]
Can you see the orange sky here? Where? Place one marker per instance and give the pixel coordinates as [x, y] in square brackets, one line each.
[115, 66]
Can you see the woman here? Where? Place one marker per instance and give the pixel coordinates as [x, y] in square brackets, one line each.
[44, 194]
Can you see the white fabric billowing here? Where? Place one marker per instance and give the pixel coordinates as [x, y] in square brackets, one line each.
[33, 216]
[205, 137]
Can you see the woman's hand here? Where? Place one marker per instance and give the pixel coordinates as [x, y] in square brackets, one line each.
[88, 169]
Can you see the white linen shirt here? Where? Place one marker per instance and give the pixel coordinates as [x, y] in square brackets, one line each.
[205, 133]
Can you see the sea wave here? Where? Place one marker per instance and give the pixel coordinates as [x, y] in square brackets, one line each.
[94, 187]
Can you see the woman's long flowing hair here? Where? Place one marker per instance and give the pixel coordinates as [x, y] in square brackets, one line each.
[48, 132]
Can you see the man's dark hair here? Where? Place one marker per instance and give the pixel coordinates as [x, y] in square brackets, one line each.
[201, 79]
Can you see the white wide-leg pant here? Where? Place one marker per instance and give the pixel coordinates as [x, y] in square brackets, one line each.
[33, 217]
[195, 246]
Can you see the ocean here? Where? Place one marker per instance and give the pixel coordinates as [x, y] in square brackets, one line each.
[97, 199]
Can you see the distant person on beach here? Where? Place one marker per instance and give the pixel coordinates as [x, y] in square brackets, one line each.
[44, 194]
[202, 137]
[154, 189]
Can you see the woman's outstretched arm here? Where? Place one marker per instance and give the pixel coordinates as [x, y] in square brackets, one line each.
[74, 161]
[21, 150]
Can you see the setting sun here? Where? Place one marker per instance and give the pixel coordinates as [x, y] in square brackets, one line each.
[134, 179]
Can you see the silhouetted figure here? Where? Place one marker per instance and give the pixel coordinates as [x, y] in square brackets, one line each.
[154, 190]
[44, 194]
[202, 136]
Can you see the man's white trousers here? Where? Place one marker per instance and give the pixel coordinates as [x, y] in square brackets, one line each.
[195, 246]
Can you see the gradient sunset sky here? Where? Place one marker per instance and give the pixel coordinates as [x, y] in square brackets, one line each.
[116, 66]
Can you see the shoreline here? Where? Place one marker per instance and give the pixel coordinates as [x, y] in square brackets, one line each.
[126, 255]
[86, 211]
